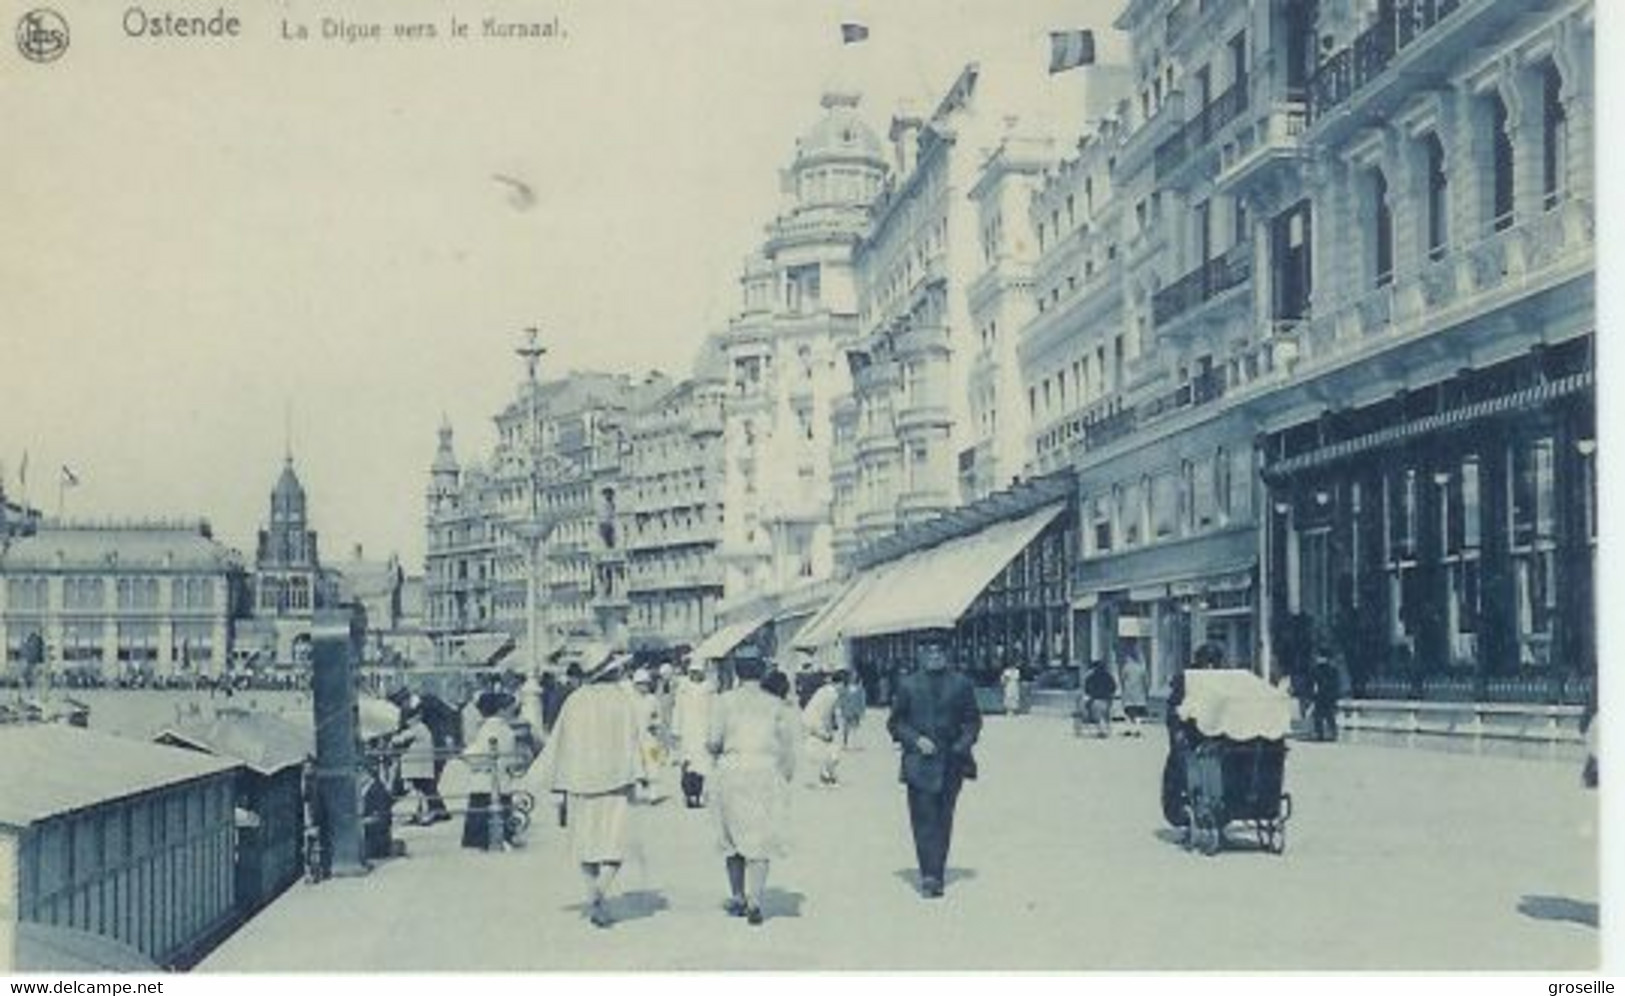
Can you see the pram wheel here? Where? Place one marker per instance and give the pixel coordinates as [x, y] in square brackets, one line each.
[1212, 840]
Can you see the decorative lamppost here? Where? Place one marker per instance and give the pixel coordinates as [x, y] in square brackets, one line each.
[534, 527]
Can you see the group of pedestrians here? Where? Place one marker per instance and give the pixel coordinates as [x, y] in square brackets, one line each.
[736, 752]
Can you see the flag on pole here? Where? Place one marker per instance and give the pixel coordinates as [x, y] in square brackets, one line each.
[852, 33]
[1070, 49]
[22, 471]
[69, 478]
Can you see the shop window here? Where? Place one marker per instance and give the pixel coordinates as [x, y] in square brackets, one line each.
[1533, 499]
[1536, 606]
[1314, 572]
[1401, 489]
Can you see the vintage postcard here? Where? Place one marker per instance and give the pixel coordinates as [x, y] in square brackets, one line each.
[568, 485]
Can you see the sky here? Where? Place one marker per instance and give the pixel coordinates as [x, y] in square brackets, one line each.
[216, 249]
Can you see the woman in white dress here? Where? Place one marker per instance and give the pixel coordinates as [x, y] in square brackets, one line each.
[595, 758]
[753, 738]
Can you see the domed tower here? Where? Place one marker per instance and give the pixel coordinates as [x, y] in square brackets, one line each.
[785, 355]
[840, 161]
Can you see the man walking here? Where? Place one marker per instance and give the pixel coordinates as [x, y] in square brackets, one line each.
[1327, 687]
[936, 721]
[1099, 688]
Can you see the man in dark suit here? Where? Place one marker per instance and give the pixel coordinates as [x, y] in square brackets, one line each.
[935, 719]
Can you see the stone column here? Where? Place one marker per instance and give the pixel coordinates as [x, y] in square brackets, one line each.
[1467, 161]
[1331, 228]
[1405, 177]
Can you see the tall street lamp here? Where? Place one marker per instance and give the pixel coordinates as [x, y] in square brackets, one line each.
[534, 527]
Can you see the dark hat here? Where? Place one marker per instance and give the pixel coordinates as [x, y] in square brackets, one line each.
[492, 703]
[933, 638]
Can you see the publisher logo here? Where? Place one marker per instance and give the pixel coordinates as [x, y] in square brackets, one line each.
[42, 35]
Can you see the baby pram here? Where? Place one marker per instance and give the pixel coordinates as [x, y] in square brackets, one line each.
[1232, 742]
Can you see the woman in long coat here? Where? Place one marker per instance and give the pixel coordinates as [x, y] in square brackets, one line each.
[595, 758]
[753, 738]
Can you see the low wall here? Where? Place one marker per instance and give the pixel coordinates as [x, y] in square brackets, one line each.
[1549, 732]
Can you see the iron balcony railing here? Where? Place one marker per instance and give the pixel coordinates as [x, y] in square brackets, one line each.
[1204, 283]
[1198, 131]
[1344, 73]
[1104, 431]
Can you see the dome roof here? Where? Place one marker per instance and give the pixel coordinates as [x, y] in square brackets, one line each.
[840, 134]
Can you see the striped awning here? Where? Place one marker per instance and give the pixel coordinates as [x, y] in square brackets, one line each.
[1529, 397]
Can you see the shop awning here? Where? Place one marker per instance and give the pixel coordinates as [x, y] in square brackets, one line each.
[932, 588]
[722, 642]
[1516, 401]
[484, 649]
[826, 626]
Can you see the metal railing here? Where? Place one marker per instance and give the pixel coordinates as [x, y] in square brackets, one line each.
[1348, 70]
[1207, 281]
[1554, 689]
[1198, 131]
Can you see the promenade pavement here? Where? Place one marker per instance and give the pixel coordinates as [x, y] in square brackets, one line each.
[1395, 859]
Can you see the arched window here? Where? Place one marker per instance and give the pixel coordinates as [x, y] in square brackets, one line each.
[1554, 136]
[1382, 230]
[1438, 196]
[1501, 164]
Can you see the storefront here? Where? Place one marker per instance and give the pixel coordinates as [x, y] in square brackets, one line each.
[1182, 594]
[996, 574]
[1442, 543]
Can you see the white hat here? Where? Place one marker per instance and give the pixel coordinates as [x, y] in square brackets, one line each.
[666, 671]
[640, 676]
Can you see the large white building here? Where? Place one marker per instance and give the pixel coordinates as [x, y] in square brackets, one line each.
[672, 513]
[786, 365]
[1315, 335]
[558, 462]
[154, 599]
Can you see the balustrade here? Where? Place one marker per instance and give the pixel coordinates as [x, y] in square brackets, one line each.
[1345, 72]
